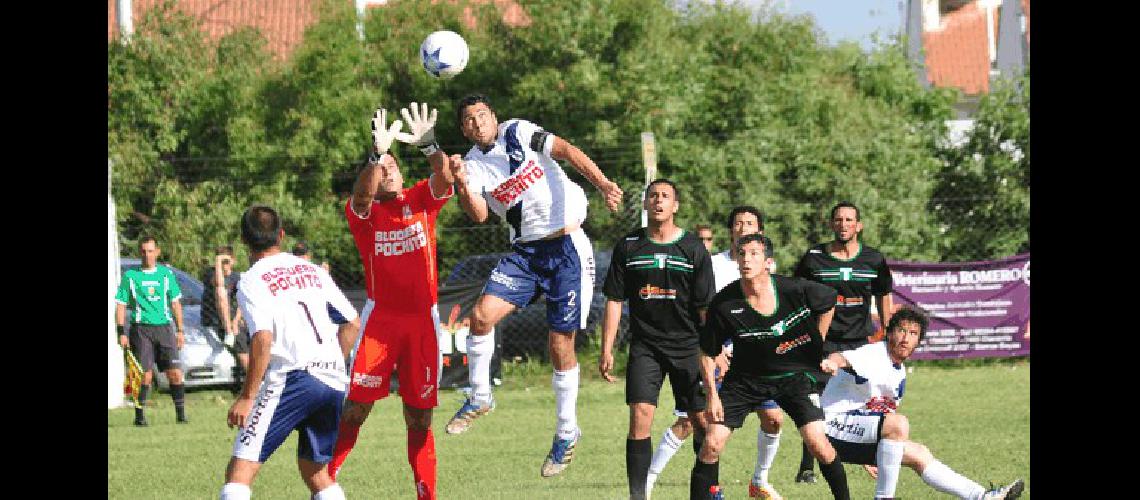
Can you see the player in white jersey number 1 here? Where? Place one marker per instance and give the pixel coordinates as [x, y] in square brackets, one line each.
[513, 170]
[860, 406]
[296, 361]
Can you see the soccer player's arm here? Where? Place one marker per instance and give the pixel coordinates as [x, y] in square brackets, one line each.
[364, 190]
[348, 331]
[176, 308]
[470, 190]
[712, 341]
[821, 302]
[221, 295]
[704, 288]
[122, 296]
[559, 149]
[442, 178]
[614, 289]
[882, 287]
[260, 324]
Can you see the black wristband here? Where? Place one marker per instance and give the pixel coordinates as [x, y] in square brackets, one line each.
[119, 328]
[429, 149]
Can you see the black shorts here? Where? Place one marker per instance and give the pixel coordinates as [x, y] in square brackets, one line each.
[742, 394]
[241, 341]
[647, 368]
[155, 345]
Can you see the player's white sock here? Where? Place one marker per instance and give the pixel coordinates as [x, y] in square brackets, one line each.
[766, 447]
[668, 447]
[480, 349]
[235, 491]
[888, 457]
[333, 492]
[565, 385]
[944, 479]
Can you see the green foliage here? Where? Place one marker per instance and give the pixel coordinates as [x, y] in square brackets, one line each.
[746, 107]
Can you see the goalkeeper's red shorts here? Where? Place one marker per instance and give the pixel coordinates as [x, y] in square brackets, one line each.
[405, 342]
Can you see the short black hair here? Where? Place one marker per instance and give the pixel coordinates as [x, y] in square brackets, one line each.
[144, 239]
[845, 204]
[224, 250]
[676, 192]
[260, 228]
[907, 313]
[749, 238]
[702, 227]
[746, 209]
[301, 248]
[469, 101]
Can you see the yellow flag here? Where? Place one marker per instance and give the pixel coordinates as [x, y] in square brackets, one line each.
[132, 383]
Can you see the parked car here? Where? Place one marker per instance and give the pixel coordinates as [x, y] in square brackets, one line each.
[205, 360]
[525, 330]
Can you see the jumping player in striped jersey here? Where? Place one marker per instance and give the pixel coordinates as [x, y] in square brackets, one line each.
[860, 404]
[296, 361]
[394, 231]
[513, 170]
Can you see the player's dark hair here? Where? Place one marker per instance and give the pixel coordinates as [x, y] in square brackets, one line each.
[746, 209]
[676, 192]
[301, 248]
[260, 228]
[224, 250]
[749, 238]
[907, 313]
[145, 239]
[471, 100]
[845, 204]
[702, 227]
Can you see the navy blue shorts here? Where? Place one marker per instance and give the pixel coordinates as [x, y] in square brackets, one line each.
[301, 402]
[560, 268]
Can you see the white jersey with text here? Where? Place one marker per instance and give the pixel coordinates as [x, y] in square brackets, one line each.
[523, 184]
[876, 386]
[290, 297]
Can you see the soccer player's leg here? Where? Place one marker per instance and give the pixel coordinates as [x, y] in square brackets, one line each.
[793, 399]
[143, 348]
[642, 386]
[767, 444]
[169, 361]
[369, 382]
[942, 478]
[870, 440]
[510, 286]
[418, 369]
[568, 282]
[280, 407]
[738, 399]
[316, 435]
[671, 440]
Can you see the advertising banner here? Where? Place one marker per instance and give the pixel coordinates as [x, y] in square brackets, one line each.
[977, 309]
[455, 304]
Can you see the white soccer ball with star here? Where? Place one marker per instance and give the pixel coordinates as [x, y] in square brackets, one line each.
[444, 54]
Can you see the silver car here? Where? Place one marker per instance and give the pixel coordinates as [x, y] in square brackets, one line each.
[205, 360]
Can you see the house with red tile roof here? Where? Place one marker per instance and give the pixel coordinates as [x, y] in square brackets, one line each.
[282, 22]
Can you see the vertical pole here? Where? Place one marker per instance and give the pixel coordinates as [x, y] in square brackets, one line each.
[649, 159]
[126, 22]
[115, 371]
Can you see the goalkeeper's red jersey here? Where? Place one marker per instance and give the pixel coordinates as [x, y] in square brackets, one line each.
[396, 242]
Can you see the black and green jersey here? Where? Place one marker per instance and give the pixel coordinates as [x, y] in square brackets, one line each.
[666, 285]
[787, 340]
[147, 294]
[856, 280]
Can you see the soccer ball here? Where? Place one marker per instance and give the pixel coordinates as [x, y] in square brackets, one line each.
[444, 54]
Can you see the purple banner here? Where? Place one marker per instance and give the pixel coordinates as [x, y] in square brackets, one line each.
[976, 309]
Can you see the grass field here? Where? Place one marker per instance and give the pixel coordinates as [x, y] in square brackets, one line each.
[975, 419]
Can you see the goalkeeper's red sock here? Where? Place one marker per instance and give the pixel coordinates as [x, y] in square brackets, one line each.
[345, 440]
[421, 456]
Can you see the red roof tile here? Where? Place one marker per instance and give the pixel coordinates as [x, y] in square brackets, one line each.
[957, 55]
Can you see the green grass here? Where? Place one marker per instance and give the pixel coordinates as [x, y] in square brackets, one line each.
[975, 420]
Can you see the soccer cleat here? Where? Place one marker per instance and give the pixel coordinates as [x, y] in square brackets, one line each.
[182, 419]
[141, 421]
[806, 476]
[763, 492]
[561, 453]
[1010, 491]
[468, 412]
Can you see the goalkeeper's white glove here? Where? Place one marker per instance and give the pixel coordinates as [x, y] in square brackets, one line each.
[382, 135]
[421, 128]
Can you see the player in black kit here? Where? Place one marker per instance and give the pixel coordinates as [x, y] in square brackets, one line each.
[857, 272]
[666, 275]
[777, 325]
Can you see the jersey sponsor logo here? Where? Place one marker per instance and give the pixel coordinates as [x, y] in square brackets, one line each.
[249, 432]
[882, 404]
[326, 365]
[842, 301]
[792, 344]
[426, 392]
[366, 380]
[401, 241]
[737, 311]
[651, 292]
[814, 250]
[298, 277]
[502, 279]
[518, 183]
[632, 238]
[854, 428]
